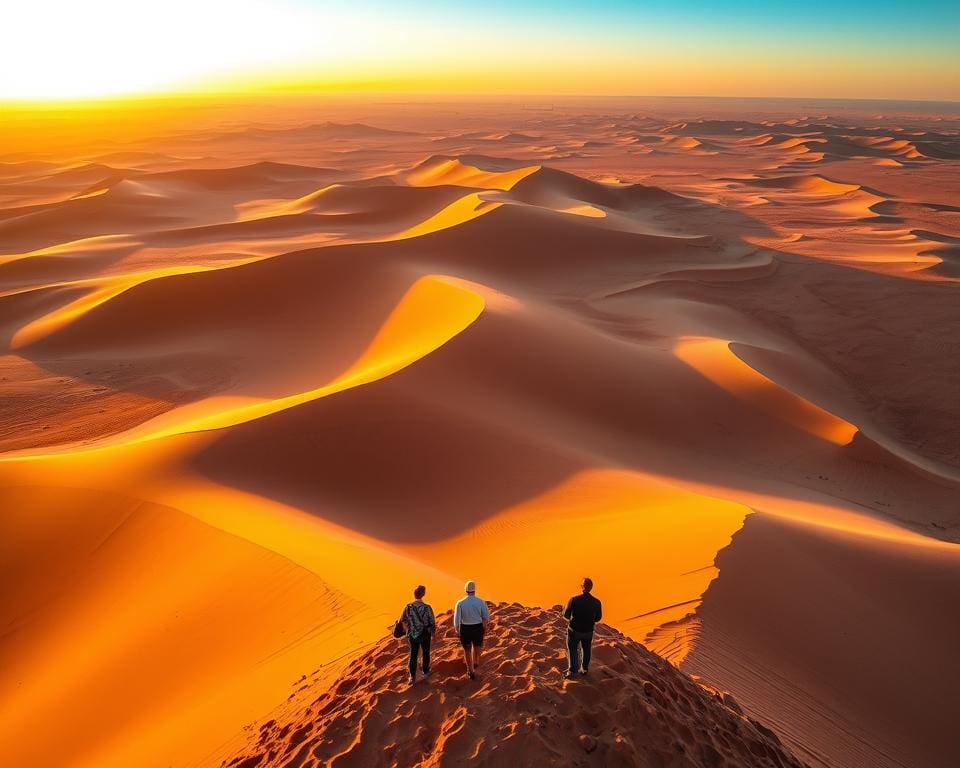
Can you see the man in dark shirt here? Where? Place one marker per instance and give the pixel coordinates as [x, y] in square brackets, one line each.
[583, 611]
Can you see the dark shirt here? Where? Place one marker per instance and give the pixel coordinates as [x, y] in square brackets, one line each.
[583, 612]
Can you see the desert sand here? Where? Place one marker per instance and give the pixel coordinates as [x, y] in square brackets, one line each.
[518, 712]
[266, 367]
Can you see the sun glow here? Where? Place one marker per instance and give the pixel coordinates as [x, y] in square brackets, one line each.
[56, 49]
[59, 50]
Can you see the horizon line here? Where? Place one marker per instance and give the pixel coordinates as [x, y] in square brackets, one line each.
[198, 95]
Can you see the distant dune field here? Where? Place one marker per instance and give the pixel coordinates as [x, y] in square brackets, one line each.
[265, 370]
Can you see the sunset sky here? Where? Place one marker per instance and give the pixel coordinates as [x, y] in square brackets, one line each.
[58, 49]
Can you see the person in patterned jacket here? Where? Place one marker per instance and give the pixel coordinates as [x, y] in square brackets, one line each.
[420, 625]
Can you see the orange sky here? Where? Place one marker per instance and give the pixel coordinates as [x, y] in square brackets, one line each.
[112, 47]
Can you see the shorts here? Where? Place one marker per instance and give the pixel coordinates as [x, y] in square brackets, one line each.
[471, 634]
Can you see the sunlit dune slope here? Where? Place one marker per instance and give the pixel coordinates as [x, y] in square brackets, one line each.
[494, 174]
[148, 627]
[714, 359]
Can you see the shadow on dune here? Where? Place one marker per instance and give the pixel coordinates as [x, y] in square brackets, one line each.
[846, 690]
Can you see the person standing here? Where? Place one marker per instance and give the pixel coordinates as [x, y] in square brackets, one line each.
[583, 611]
[420, 624]
[470, 617]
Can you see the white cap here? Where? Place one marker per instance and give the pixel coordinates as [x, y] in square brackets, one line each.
[470, 586]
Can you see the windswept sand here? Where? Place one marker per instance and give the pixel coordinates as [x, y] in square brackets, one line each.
[265, 370]
[634, 709]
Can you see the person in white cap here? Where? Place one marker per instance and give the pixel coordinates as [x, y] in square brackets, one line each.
[470, 617]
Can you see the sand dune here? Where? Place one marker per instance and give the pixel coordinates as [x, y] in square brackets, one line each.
[261, 175]
[213, 608]
[634, 710]
[548, 184]
[333, 130]
[259, 380]
[815, 184]
[463, 173]
[64, 262]
[867, 581]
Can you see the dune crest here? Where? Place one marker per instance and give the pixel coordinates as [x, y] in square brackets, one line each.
[634, 709]
[715, 359]
[403, 339]
[457, 172]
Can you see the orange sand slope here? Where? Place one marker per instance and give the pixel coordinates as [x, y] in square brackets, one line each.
[265, 370]
[634, 709]
[784, 648]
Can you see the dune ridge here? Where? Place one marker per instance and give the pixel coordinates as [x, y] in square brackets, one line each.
[634, 709]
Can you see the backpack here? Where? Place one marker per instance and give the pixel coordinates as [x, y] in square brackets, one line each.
[422, 614]
[398, 630]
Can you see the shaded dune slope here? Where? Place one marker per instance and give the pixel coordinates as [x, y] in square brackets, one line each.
[813, 685]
